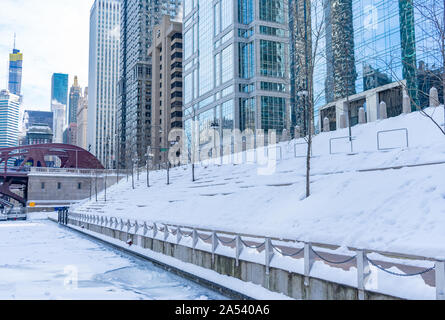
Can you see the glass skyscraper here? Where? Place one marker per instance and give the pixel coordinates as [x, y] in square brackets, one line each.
[134, 114]
[236, 58]
[103, 79]
[9, 119]
[59, 88]
[15, 72]
[368, 48]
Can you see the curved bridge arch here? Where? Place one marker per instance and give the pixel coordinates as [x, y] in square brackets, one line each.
[70, 157]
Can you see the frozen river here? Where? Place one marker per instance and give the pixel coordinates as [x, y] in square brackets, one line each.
[40, 260]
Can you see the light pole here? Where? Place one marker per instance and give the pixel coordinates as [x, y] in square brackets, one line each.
[134, 161]
[107, 156]
[148, 155]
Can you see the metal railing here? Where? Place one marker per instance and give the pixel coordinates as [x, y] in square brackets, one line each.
[72, 171]
[301, 249]
[393, 130]
[341, 138]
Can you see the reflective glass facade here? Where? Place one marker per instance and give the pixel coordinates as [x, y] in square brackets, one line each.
[391, 42]
[15, 72]
[225, 64]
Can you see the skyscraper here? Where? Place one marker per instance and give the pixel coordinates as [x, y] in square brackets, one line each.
[369, 52]
[74, 100]
[236, 59]
[15, 72]
[166, 55]
[59, 98]
[59, 88]
[103, 79]
[82, 121]
[134, 102]
[9, 124]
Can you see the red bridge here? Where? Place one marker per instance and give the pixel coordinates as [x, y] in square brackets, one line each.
[16, 161]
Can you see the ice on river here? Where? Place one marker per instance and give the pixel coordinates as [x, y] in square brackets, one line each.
[40, 260]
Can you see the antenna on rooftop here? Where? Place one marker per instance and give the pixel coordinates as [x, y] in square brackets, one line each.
[14, 39]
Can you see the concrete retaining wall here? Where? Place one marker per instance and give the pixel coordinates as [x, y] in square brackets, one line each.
[278, 280]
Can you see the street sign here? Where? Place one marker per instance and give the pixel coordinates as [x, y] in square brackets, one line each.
[164, 149]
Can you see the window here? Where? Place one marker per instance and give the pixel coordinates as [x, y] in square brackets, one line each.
[79, 185]
[59, 185]
[43, 185]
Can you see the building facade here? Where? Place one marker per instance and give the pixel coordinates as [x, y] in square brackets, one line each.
[15, 72]
[39, 133]
[31, 117]
[59, 121]
[166, 56]
[236, 65]
[74, 100]
[372, 51]
[59, 88]
[135, 89]
[82, 121]
[9, 119]
[103, 79]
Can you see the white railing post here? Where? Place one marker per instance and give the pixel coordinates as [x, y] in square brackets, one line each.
[239, 248]
[128, 226]
[101, 221]
[122, 224]
[195, 238]
[363, 273]
[155, 230]
[106, 221]
[165, 232]
[268, 253]
[116, 224]
[136, 227]
[440, 280]
[178, 235]
[214, 245]
[308, 262]
[145, 228]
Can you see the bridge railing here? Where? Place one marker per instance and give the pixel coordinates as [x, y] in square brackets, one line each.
[73, 171]
[308, 251]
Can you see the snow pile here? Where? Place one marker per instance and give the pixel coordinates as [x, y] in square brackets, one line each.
[392, 210]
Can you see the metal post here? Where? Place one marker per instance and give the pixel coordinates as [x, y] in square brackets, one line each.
[308, 262]
[155, 230]
[168, 172]
[268, 254]
[214, 245]
[178, 235]
[145, 228]
[165, 232]
[136, 227]
[239, 248]
[440, 280]
[195, 238]
[363, 273]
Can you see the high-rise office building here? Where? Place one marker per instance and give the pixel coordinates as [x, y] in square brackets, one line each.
[59, 121]
[166, 56]
[372, 51]
[15, 72]
[9, 124]
[134, 102]
[103, 79]
[74, 100]
[236, 58]
[59, 88]
[82, 121]
[59, 100]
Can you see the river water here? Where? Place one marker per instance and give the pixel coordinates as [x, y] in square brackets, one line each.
[41, 260]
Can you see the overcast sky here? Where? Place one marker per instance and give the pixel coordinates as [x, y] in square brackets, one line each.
[53, 36]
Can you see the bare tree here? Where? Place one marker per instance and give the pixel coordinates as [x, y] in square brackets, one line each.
[309, 32]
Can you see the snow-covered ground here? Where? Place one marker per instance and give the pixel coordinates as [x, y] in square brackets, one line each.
[393, 210]
[40, 260]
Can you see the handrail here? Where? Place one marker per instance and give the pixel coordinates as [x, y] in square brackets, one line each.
[283, 239]
[392, 130]
[266, 245]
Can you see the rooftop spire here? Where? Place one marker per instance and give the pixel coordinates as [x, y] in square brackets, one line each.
[76, 83]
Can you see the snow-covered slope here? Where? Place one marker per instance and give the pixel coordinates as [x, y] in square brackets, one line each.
[399, 210]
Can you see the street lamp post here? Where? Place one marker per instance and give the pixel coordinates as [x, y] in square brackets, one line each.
[148, 155]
